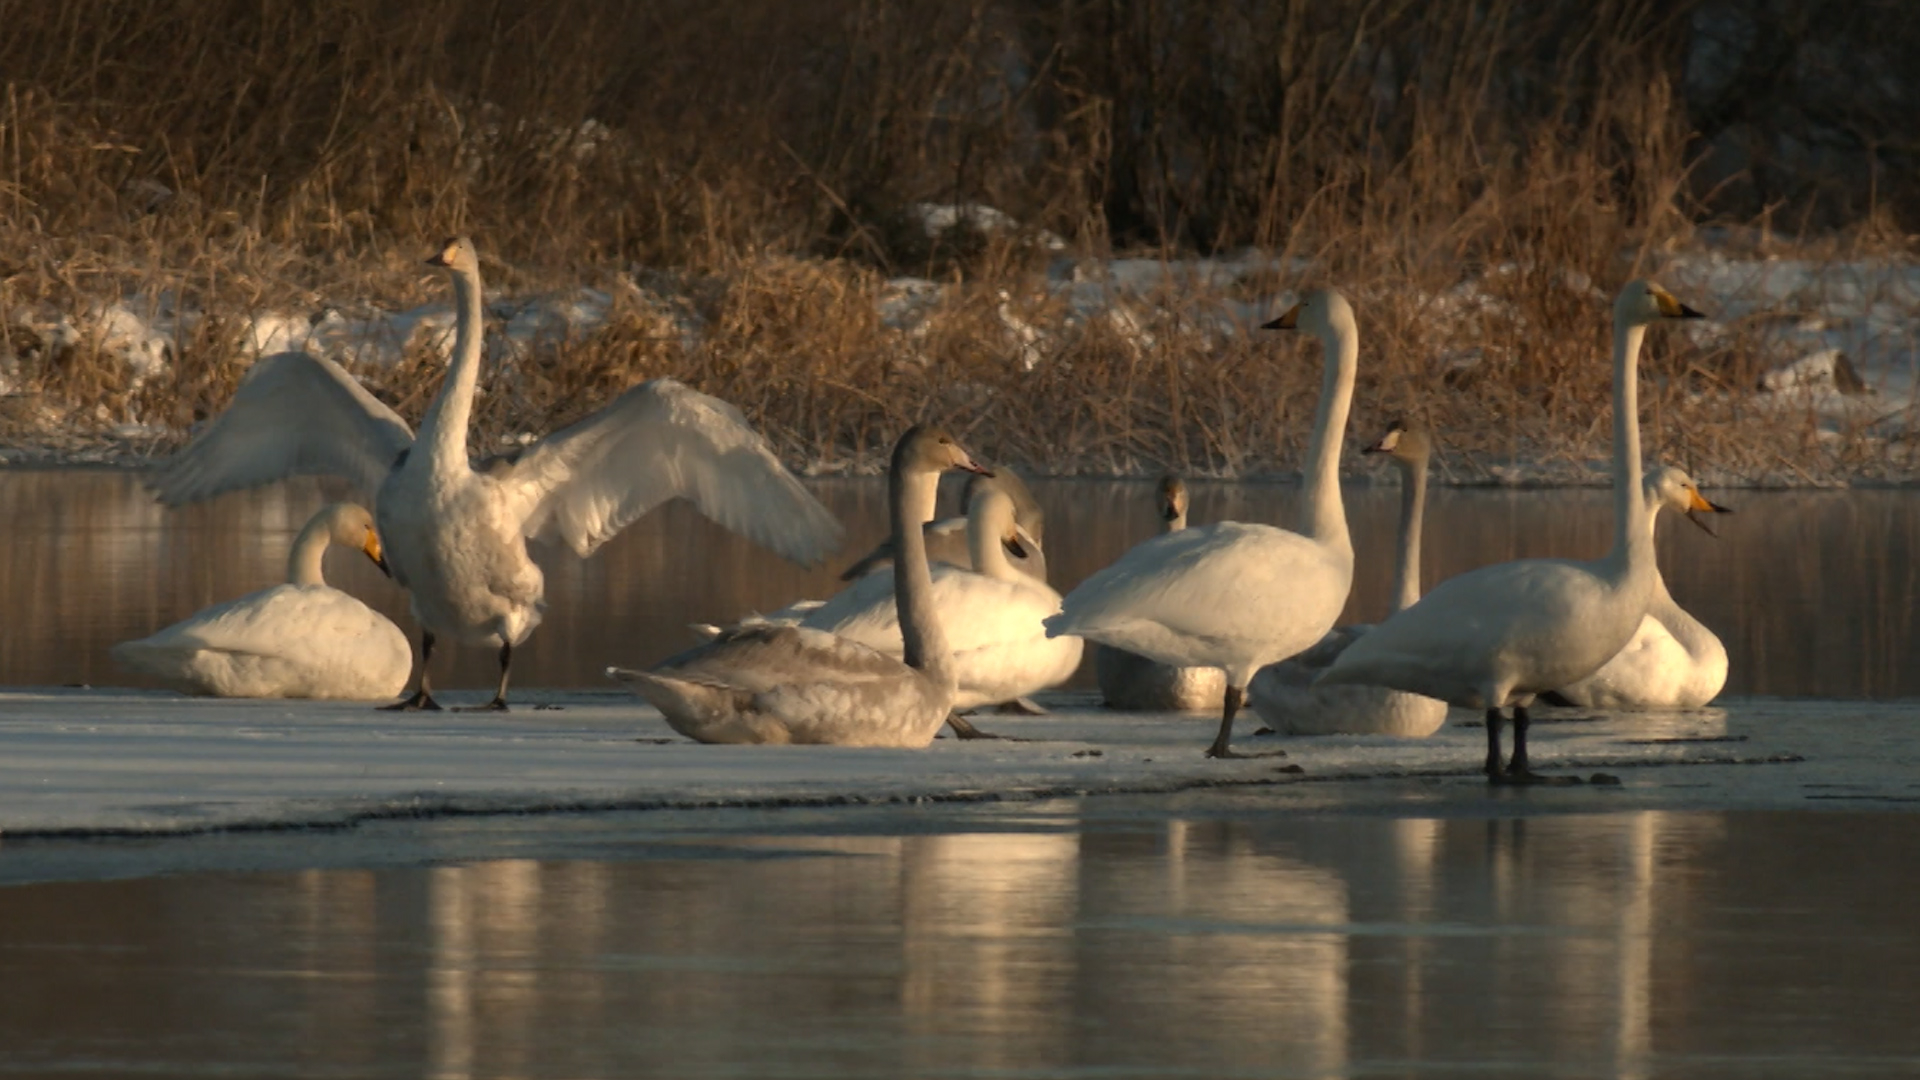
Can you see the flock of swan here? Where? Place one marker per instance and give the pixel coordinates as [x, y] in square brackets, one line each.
[944, 616]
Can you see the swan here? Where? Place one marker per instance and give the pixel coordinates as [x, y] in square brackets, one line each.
[1283, 693]
[992, 615]
[1132, 682]
[303, 639]
[794, 684]
[1673, 660]
[456, 537]
[947, 540]
[1501, 635]
[1233, 595]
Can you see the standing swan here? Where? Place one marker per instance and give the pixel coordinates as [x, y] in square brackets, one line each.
[1503, 634]
[1238, 596]
[790, 684]
[456, 537]
[1673, 661]
[303, 639]
[1283, 693]
[1132, 682]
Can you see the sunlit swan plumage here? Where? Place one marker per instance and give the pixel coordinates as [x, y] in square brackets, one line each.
[1283, 693]
[1132, 682]
[303, 639]
[947, 540]
[1501, 635]
[456, 537]
[1233, 595]
[991, 616]
[792, 684]
[1673, 660]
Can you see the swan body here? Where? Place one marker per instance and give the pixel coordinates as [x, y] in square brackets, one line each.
[1135, 683]
[1672, 661]
[796, 684]
[301, 639]
[455, 536]
[991, 615]
[947, 539]
[1499, 636]
[1232, 595]
[1283, 693]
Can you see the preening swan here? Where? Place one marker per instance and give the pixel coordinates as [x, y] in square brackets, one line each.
[1238, 596]
[791, 684]
[947, 540]
[303, 639]
[1283, 693]
[456, 537]
[1673, 661]
[991, 615]
[1133, 682]
[1503, 634]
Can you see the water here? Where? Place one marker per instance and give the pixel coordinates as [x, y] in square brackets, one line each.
[91, 560]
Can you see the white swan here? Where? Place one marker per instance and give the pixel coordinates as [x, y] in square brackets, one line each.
[1232, 595]
[947, 540]
[1503, 634]
[1283, 693]
[991, 616]
[792, 684]
[303, 639]
[1132, 682]
[456, 537]
[1673, 660]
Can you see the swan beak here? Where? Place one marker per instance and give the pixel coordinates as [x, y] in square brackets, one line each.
[1383, 445]
[973, 467]
[1672, 308]
[1289, 321]
[443, 257]
[372, 548]
[1014, 547]
[1169, 512]
[1701, 505]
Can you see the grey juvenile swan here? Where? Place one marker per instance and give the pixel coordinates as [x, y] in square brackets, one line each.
[456, 537]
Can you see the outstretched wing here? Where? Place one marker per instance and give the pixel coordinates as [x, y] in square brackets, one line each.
[295, 414]
[658, 441]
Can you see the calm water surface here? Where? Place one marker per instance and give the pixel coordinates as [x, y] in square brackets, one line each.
[1815, 593]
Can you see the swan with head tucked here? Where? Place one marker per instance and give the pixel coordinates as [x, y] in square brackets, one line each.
[1501, 635]
[1673, 660]
[795, 684]
[456, 537]
[1132, 682]
[948, 540]
[1283, 693]
[991, 615]
[1233, 595]
[303, 639]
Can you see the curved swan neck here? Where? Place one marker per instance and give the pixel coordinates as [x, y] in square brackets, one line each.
[924, 643]
[1325, 519]
[444, 429]
[1175, 523]
[1633, 535]
[309, 550]
[1413, 510]
[984, 530]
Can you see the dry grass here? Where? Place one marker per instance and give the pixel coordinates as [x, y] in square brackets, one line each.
[756, 164]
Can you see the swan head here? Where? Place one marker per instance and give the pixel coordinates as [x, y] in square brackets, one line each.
[1323, 312]
[457, 254]
[992, 514]
[1643, 302]
[1173, 498]
[1403, 442]
[1671, 488]
[351, 525]
[925, 449]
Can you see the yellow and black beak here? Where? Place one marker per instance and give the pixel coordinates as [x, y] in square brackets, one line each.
[1013, 545]
[1700, 505]
[1672, 308]
[443, 257]
[1289, 321]
[372, 548]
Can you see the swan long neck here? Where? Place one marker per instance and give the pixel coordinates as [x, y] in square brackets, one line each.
[1413, 511]
[1633, 534]
[1325, 519]
[988, 552]
[924, 642]
[1175, 523]
[309, 549]
[444, 429]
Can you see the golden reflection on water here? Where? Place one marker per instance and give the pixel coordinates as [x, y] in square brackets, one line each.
[1814, 593]
[1251, 946]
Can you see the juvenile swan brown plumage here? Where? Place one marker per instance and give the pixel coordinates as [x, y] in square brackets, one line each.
[791, 684]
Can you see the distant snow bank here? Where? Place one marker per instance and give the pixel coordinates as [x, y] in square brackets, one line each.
[84, 763]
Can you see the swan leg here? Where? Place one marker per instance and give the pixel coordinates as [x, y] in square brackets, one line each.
[1022, 707]
[1494, 767]
[1517, 764]
[1222, 748]
[422, 698]
[964, 729]
[1517, 770]
[499, 702]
